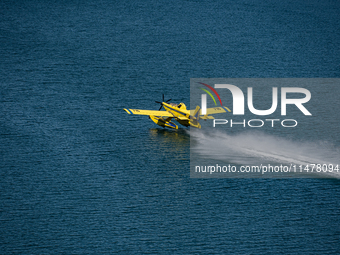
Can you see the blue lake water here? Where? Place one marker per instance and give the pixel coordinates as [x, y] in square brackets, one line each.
[79, 175]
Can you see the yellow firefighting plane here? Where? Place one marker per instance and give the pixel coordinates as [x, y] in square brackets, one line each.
[178, 112]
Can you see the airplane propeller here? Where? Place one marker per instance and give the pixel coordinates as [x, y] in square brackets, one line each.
[162, 102]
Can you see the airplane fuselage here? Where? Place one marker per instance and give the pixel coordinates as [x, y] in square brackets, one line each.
[179, 110]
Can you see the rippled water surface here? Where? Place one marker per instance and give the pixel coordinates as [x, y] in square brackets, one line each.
[78, 175]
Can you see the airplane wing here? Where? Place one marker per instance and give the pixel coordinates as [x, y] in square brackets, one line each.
[206, 117]
[213, 110]
[149, 112]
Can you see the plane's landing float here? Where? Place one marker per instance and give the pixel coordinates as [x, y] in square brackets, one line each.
[177, 111]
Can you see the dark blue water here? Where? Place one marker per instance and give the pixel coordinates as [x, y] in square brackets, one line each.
[79, 175]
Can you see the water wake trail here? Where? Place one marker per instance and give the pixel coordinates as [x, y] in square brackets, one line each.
[255, 148]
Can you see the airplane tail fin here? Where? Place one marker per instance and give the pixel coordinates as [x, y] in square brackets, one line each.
[197, 113]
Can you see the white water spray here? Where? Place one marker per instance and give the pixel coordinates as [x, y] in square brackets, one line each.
[255, 148]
